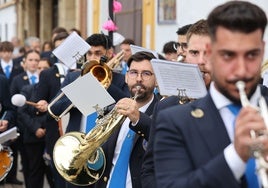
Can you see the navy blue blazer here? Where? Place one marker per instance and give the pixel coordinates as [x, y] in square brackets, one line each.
[118, 89]
[137, 153]
[5, 102]
[188, 150]
[147, 174]
[18, 82]
[49, 84]
[30, 118]
[46, 89]
[16, 69]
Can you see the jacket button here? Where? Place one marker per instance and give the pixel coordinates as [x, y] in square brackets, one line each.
[105, 179]
[142, 135]
[139, 132]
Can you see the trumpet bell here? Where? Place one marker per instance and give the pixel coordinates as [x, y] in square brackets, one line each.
[72, 164]
[100, 71]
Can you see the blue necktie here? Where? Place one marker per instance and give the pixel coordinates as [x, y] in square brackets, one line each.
[33, 79]
[7, 71]
[251, 177]
[156, 90]
[124, 69]
[91, 121]
[118, 179]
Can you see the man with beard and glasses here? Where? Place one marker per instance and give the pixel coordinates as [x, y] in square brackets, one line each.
[207, 143]
[136, 126]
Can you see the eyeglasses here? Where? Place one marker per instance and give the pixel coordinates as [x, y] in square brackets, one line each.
[183, 45]
[146, 75]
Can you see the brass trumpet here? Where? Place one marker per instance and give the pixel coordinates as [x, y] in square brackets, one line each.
[261, 163]
[100, 70]
[79, 158]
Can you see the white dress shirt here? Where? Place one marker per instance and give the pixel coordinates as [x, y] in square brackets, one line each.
[236, 164]
[120, 139]
[4, 64]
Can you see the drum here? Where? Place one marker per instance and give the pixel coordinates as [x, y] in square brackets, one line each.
[6, 161]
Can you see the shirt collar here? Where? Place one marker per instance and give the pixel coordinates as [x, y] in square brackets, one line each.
[4, 64]
[29, 74]
[144, 107]
[221, 101]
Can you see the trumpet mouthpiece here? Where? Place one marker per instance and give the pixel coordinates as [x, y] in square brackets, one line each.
[240, 85]
[18, 100]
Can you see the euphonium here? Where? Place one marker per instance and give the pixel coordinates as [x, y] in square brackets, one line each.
[100, 70]
[261, 163]
[79, 158]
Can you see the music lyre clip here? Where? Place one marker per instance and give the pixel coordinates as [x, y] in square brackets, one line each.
[80, 59]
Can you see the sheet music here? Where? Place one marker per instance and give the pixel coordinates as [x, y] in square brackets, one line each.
[86, 92]
[71, 49]
[172, 76]
[8, 135]
[135, 49]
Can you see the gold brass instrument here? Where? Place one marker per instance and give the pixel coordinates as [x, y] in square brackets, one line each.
[76, 155]
[261, 163]
[6, 161]
[183, 98]
[116, 60]
[101, 71]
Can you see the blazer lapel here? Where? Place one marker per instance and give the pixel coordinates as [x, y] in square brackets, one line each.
[149, 112]
[211, 126]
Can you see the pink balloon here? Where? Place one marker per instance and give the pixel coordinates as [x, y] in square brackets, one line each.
[109, 26]
[117, 6]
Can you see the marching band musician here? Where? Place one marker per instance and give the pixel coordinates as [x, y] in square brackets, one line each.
[206, 143]
[101, 47]
[6, 109]
[181, 45]
[125, 46]
[197, 38]
[7, 112]
[123, 165]
[47, 88]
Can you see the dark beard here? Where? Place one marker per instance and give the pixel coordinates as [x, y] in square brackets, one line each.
[225, 92]
[142, 96]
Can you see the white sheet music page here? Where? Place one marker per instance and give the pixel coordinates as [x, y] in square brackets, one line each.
[71, 49]
[172, 76]
[135, 49]
[8, 135]
[86, 92]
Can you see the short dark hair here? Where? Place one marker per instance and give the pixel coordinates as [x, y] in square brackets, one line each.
[76, 30]
[57, 30]
[198, 28]
[6, 46]
[183, 30]
[239, 16]
[170, 47]
[29, 52]
[60, 36]
[47, 60]
[128, 41]
[100, 40]
[140, 56]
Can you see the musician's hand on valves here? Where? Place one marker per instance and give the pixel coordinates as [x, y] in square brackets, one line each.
[129, 108]
[42, 105]
[247, 122]
[3, 125]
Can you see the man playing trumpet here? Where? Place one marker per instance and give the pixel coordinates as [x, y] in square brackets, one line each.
[205, 143]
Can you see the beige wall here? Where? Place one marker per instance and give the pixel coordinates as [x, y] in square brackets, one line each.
[30, 22]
